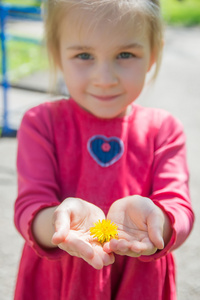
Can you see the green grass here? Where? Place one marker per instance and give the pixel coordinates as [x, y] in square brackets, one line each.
[185, 12]
[27, 59]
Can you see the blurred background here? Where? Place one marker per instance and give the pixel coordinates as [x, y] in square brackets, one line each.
[25, 59]
[24, 82]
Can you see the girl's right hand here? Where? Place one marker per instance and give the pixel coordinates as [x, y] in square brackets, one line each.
[72, 220]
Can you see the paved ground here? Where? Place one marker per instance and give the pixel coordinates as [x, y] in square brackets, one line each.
[177, 90]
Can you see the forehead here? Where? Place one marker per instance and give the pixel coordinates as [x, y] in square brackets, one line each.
[84, 23]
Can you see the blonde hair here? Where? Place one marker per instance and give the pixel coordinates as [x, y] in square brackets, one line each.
[148, 10]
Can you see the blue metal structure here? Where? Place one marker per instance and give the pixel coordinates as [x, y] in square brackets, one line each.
[21, 13]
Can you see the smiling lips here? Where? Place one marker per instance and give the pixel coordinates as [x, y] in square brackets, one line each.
[105, 98]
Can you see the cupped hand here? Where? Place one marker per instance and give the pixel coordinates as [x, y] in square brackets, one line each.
[72, 221]
[140, 227]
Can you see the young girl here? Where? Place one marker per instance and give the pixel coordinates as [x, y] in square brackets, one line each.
[100, 156]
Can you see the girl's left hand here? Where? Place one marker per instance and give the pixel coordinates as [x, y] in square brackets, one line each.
[140, 227]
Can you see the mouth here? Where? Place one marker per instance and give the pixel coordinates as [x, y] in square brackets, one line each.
[105, 98]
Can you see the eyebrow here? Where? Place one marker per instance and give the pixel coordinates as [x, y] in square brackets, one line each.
[133, 45]
[86, 48]
[79, 48]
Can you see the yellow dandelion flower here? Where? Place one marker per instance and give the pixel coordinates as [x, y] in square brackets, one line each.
[104, 231]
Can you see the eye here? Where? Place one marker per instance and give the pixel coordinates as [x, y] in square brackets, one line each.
[84, 56]
[125, 55]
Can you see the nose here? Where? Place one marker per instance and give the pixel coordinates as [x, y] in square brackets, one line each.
[105, 75]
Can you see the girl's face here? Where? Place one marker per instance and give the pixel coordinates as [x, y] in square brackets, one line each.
[104, 67]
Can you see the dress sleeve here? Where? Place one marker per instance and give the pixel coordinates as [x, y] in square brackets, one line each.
[170, 188]
[37, 169]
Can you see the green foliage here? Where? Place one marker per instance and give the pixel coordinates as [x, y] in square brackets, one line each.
[181, 12]
[23, 2]
[24, 58]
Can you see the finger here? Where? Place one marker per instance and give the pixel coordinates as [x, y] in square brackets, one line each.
[100, 258]
[132, 249]
[145, 247]
[110, 246]
[96, 262]
[107, 248]
[61, 222]
[118, 246]
[155, 224]
[77, 246]
[127, 248]
[107, 258]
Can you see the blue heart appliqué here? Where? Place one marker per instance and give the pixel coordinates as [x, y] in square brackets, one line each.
[105, 151]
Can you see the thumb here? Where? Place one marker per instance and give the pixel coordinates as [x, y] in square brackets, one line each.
[61, 221]
[155, 224]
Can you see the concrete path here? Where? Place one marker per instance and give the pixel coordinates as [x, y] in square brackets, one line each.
[177, 90]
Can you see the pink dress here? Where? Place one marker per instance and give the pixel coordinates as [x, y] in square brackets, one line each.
[66, 152]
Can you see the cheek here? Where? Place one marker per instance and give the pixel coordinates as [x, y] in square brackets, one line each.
[73, 79]
[138, 73]
[72, 72]
[134, 80]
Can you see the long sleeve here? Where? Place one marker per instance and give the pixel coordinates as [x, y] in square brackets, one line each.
[38, 185]
[170, 182]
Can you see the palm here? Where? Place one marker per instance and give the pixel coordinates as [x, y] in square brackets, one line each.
[134, 231]
[76, 217]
